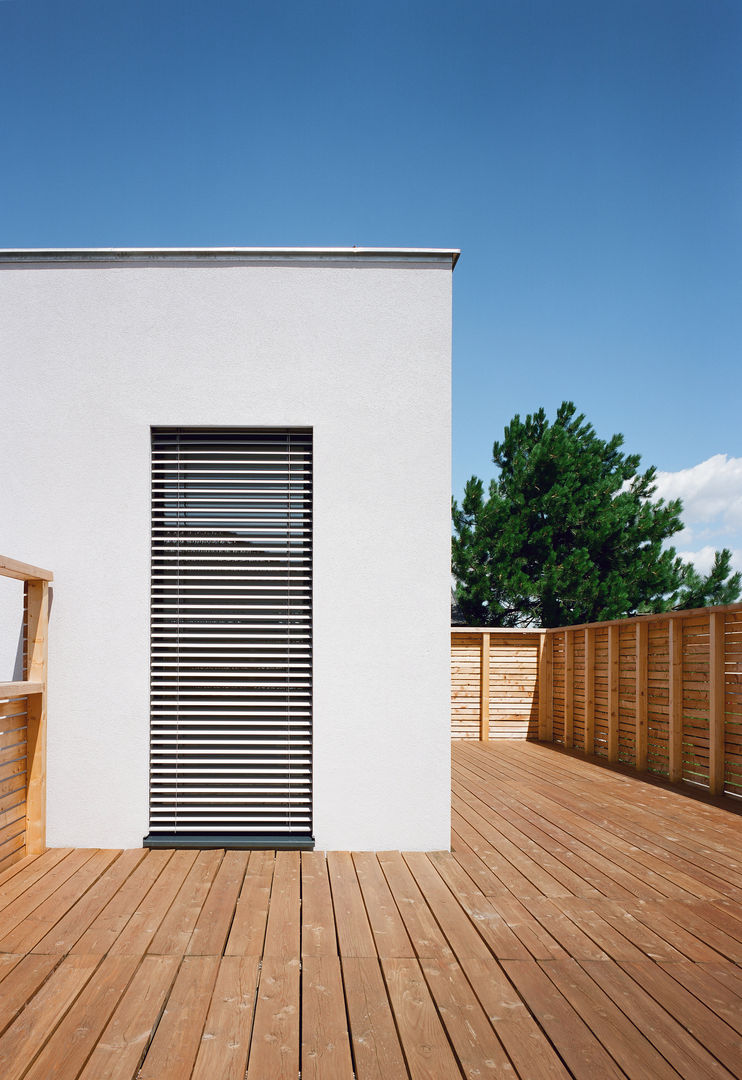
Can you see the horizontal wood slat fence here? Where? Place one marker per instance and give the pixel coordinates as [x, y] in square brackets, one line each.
[23, 725]
[494, 683]
[661, 693]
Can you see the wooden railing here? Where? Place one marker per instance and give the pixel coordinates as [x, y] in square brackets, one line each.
[23, 725]
[662, 693]
[494, 683]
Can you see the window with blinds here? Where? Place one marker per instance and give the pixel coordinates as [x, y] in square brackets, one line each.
[231, 617]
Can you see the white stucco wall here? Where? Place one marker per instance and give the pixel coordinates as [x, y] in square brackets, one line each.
[358, 348]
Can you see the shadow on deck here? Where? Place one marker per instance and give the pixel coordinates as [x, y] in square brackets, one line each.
[586, 923]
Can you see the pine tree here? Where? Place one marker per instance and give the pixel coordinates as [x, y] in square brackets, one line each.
[569, 533]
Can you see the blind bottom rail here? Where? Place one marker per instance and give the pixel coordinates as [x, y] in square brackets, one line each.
[232, 841]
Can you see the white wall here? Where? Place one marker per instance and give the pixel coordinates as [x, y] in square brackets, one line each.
[94, 354]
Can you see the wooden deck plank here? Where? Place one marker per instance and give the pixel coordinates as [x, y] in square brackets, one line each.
[582, 1053]
[525, 1043]
[605, 936]
[729, 975]
[172, 1052]
[511, 879]
[468, 936]
[632, 809]
[607, 859]
[471, 863]
[225, 1042]
[574, 942]
[641, 934]
[31, 899]
[728, 946]
[478, 1050]
[592, 797]
[174, 934]
[111, 921]
[666, 920]
[33, 929]
[681, 1050]
[387, 925]
[27, 975]
[17, 867]
[123, 1044]
[24, 873]
[69, 929]
[376, 1050]
[215, 920]
[34, 1025]
[274, 1048]
[325, 1041]
[247, 934]
[283, 932]
[318, 937]
[69, 1047]
[141, 928]
[420, 923]
[531, 833]
[545, 873]
[426, 1048]
[8, 961]
[585, 924]
[709, 1029]
[533, 934]
[624, 1042]
[592, 854]
[353, 929]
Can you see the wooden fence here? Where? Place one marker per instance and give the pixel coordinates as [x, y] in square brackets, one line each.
[662, 693]
[494, 683]
[23, 725]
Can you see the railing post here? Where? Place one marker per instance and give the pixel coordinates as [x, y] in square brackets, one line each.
[675, 699]
[716, 702]
[546, 703]
[642, 676]
[589, 691]
[542, 685]
[36, 635]
[613, 645]
[484, 688]
[569, 688]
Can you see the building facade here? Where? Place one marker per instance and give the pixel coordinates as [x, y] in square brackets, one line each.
[237, 464]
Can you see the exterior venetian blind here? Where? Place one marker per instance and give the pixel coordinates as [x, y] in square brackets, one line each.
[231, 618]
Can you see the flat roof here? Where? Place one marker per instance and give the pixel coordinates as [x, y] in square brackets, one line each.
[386, 254]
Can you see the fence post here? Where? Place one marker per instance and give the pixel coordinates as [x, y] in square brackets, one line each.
[642, 676]
[541, 682]
[675, 700]
[484, 688]
[548, 687]
[716, 702]
[613, 693]
[569, 688]
[589, 691]
[37, 629]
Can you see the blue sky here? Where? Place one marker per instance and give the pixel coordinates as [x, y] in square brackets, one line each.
[585, 156]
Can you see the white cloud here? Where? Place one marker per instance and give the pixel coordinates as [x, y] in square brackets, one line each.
[703, 558]
[711, 493]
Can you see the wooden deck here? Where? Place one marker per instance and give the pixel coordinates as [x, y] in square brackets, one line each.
[587, 924]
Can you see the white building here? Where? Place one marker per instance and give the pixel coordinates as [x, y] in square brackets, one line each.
[236, 463]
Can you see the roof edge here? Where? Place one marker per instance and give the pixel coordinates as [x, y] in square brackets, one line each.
[222, 253]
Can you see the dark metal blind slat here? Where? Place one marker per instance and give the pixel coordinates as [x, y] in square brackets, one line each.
[231, 625]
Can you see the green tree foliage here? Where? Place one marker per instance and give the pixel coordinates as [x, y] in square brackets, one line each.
[569, 534]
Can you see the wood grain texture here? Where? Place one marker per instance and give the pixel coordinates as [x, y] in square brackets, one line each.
[661, 693]
[586, 923]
